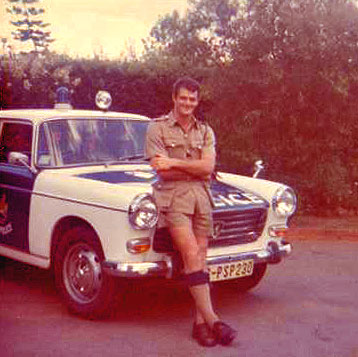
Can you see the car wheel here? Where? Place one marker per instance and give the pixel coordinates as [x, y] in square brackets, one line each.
[85, 288]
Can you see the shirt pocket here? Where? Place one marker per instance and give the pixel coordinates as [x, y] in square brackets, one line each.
[196, 149]
[175, 148]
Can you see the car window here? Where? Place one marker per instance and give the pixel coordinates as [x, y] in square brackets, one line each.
[15, 137]
[44, 157]
[87, 141]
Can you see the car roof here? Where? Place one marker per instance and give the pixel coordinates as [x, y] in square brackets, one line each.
[38, 116]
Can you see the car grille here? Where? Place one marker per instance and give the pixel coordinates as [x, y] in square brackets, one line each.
[237, 226]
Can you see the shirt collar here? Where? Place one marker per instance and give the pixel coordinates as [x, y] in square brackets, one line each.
[173, 122]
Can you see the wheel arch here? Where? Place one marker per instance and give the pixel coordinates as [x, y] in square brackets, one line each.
[62, 226]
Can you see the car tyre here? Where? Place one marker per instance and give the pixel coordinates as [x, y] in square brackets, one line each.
[83, 285]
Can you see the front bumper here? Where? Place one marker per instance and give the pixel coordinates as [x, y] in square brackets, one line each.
[273, 254]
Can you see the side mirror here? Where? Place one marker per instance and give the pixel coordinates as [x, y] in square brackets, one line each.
[18, 158]
[259, 166]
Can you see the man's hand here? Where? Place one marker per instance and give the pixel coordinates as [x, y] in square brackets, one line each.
[201, 168]
[162, 163]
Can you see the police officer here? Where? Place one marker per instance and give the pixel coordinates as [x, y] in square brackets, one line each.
[182, 151]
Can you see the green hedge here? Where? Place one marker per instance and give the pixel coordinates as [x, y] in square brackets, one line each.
[306, 134]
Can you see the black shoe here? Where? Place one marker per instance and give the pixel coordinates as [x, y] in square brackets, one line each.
[224, 333]
[203, 334]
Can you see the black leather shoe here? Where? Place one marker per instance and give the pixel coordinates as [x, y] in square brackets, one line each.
[224, 333]
[203, 334]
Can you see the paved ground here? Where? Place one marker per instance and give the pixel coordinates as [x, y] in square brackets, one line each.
[321, 228]
[305, 306]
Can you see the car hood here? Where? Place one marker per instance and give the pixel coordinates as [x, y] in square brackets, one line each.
[224, 196]
[115, 187]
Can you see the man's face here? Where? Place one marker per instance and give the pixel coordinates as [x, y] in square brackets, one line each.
[185, 102]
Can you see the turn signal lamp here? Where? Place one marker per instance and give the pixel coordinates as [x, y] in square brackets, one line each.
[138, 246]
[278, 231]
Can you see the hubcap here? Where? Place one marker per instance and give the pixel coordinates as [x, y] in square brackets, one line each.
[82, 273]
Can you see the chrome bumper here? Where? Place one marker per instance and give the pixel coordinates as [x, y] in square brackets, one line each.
[273, 254]
[139, 269]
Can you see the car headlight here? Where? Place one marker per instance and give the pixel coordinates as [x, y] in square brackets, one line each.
[284, 202]
[143, 212]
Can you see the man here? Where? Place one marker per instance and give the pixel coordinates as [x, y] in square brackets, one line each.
[182, 151]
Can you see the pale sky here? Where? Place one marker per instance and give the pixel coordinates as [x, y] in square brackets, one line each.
[85, 27]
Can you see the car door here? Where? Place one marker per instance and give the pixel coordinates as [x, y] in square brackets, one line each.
[16, 184]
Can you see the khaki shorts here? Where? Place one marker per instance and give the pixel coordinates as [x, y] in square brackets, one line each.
[185, 204]
[201, 223]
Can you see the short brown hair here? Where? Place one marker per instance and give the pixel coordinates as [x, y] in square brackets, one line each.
[188, 83]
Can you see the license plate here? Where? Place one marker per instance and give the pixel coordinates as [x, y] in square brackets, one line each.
[228, 271]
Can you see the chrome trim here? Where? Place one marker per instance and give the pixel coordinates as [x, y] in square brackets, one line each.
[275, 197]
[61, 198]
[138, 269]
[133, 207]
[21, 256]
[267, 255]
[238, 227]
[274, 252]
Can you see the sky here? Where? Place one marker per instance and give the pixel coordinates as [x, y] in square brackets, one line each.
[103, 27]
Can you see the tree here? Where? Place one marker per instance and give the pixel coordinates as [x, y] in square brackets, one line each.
[198, 38]
[28, 26]
[305, 55]
[283, 86]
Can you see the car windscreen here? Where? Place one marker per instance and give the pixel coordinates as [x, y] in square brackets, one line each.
[92, 141]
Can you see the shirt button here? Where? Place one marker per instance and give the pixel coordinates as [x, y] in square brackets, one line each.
[185, 135]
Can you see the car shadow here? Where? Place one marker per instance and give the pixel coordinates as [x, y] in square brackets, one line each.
[146, 301]
[31, 278]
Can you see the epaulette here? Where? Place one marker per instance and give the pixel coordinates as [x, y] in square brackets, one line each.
[203, 125]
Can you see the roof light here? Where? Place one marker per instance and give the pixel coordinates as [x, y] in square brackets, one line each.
[63, 98]
[103, 100]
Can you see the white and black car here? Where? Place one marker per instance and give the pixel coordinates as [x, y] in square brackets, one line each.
[75, 196]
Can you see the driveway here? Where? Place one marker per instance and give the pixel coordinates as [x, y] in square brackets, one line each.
[305, 306]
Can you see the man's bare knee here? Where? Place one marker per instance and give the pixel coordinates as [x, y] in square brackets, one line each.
[192, 259]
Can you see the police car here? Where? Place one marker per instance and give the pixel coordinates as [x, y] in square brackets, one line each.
[76, 197]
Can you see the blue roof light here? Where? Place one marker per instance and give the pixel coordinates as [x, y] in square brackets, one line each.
[63, 98]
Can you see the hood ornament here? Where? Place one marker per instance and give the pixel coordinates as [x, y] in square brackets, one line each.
[218, 227]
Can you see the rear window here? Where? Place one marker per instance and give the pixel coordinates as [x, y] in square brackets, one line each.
[15, 137]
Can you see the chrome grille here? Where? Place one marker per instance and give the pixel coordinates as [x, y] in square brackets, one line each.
[237, 226]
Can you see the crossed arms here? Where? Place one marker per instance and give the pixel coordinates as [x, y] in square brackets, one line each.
[177, 169]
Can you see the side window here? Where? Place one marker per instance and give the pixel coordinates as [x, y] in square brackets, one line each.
[43, 151]
[15, 137]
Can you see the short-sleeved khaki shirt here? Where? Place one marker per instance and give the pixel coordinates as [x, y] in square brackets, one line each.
[165, 136]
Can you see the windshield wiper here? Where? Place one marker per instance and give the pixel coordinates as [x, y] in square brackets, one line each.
[131, 157]
[125, 158]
